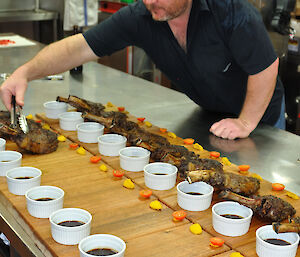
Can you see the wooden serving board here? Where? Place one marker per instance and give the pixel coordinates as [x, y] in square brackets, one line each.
[120, 211]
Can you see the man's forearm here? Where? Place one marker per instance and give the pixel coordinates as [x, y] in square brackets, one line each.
[57, 57]
[260, 89]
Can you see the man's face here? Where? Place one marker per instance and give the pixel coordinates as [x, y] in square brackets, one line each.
[164, 10]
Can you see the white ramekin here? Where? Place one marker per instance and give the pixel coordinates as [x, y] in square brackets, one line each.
[69, 120]
[20, 186]
[2, 144]
[9, 160]
[231, 227]
[88, 132]
[264, 249]
[194, 202]
[134, 158]
[43, 209]
[160, 182]
[102, 241]
[111, 144]
[54, 108]
[70, 235]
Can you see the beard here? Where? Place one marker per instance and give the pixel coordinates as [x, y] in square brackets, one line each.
[166, 13]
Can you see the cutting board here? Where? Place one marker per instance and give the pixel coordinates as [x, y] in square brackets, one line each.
[120, 211]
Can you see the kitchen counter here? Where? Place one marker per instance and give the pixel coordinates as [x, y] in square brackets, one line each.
[271, 152]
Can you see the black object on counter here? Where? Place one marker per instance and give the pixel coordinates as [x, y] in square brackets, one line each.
[78, 69]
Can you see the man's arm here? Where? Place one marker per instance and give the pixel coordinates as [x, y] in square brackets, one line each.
[55, 58]
[260, 89]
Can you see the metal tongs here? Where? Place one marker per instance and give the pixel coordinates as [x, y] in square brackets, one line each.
[16, 114]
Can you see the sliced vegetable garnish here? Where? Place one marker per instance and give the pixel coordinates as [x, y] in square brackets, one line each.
[148, 124]
[215, 154]
[277, 186]
[46, 126]
[156, 205]
[121, 109]
[29, 117]
[216, 241]
[128, 184]
[172, 135]
[254, 175]
[236, 254]
[198, 147]
[103, 167]
[179, 215]
[196, 229]
[163, 130]
[141, 119]
[61, 138]
[292, 195]
[244, 167]
[38, 121]
[146, 193]
[118, 173]
[73, 145]
[81, 150]
[109, 104]
[189, 141]
[95, 159]
[225, 161]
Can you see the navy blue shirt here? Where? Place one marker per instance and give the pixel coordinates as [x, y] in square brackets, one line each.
[226, 42]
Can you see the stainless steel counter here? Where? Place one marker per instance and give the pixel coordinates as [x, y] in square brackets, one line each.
[271, 152]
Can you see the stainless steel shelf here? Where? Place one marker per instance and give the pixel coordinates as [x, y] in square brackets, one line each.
[34, 15]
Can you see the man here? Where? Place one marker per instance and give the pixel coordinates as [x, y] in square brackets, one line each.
[217, 52]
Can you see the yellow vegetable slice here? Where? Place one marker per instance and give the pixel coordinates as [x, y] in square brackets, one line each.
[46, 126]
[148, 124]
[155, 205]
[29, 117]
[81, 150]
[196, 229]
[172, 135]
[254, 175]
[225, 161]
[198, 147]
[103, 167]
[236, 254]
[292, 195]
[109, 104]
[61, 138]
[128, 184]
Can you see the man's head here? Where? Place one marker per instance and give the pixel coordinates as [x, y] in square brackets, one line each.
[164, 10]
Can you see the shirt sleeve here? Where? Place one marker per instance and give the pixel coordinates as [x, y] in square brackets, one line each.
[115, 33]
[249, 41]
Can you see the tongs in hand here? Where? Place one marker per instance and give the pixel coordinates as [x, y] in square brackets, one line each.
[16, 110]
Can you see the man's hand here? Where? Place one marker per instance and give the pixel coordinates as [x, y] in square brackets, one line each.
[231, 128]
[14, 85]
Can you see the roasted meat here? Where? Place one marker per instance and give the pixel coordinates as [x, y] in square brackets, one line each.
[38, 140]
[225, 180]
[82, 105]
[161, 150]
[267, 207]
[293, 226]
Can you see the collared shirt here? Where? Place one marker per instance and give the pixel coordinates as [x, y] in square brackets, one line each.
[226, 42]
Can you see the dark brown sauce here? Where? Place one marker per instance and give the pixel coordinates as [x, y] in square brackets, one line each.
[160, 174]
[102, 252]
[194, 193]
[275, 241]
[43, 199]
[71, 223]
[6, 161]
[23, 177]
[232, 216]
